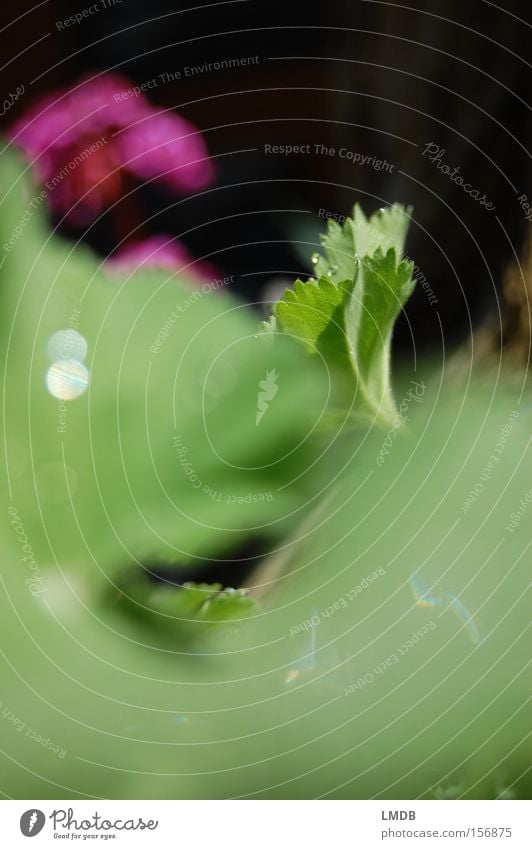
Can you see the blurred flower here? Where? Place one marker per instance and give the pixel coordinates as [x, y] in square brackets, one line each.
[160, 251]
[88, 142]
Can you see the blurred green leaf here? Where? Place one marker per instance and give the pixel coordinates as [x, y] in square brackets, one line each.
[160, 457]
[95, 704]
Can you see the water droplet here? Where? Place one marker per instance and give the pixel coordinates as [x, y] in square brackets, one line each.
[67, 345]
[315, 258]
[67, 379]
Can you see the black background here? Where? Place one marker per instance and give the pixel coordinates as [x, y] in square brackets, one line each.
[381, 78]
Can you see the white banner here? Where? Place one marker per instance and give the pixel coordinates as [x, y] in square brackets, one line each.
[263, 824]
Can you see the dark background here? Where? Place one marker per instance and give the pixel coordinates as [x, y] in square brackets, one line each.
[383, 79]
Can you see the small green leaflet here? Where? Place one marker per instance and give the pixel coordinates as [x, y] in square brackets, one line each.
[346, 315]
[182, 613]
[359, 237]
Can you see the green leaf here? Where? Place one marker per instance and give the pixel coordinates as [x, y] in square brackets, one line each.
[383, 287]
[160, 459]
[316, 312]
[183, 613]
[329, 690]
[347, 316]
[358, 237]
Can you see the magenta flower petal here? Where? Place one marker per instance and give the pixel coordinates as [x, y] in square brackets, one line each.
[167, 148]
[82, 140]
[41, 132]
[98, 103]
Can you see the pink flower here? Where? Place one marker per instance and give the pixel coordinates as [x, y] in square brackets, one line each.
[161, 251]
[158, 146]
[88, 142]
